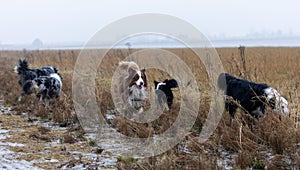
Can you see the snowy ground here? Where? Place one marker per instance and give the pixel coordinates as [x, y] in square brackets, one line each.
[23, 146]
[7, 157]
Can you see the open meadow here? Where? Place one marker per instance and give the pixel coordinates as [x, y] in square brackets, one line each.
[270, 142]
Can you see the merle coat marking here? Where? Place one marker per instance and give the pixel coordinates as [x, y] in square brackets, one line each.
[26, 75]
[46, 88]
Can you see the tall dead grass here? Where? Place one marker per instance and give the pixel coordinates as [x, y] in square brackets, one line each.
[252, 140]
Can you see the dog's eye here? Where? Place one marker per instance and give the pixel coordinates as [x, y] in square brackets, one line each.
[136, 77]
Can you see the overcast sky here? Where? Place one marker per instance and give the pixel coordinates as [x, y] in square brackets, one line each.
[77, 20]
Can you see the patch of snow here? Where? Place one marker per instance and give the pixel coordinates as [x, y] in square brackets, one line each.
[226, 159]
[110, 116]
[51, 126]
[45, 160]
[91, 135]
[3, 134]
[102, 160]
[7, 159]
[11, 144]
[108, 162]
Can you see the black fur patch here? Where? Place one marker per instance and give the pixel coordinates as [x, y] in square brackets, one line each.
[248, 94]
[166, 89]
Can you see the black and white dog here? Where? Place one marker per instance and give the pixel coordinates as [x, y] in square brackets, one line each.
[252, 97]
[46, 88]
[25, 73]
[163, 90]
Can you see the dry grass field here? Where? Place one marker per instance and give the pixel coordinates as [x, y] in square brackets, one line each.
[243, 142]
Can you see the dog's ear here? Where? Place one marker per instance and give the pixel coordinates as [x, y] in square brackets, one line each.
[171, 83]
[131, 71]
[144, 77]
[143, 71]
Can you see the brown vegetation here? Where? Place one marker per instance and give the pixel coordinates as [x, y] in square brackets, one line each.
[252, 141]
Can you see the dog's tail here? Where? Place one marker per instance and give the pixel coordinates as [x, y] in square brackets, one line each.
[21, 67]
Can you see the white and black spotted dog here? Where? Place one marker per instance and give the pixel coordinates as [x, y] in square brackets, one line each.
[164, 92]
[25, 73]
[253, 97]
[46, 88]
[133, 84]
